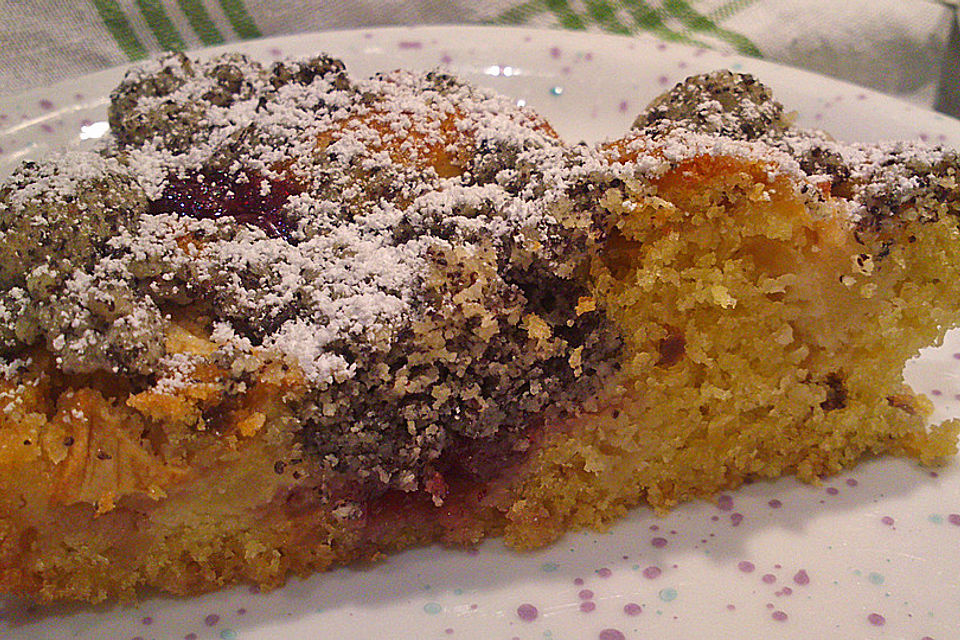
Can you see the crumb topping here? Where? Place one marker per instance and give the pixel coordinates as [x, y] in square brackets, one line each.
[393, 238]
[879, 182]
[417, 247]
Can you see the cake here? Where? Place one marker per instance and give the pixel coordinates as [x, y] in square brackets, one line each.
[285, 319]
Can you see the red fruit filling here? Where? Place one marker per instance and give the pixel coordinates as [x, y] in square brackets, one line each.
[248, 197]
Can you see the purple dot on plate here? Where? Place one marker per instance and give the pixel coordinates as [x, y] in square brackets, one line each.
[659, 543]
[554, 52]
[736, 519]
[211, 620]
[663, 80]
[954, 518]
[731, 607]
[714, 518]
[587, 607]
[623, 106]
[652, 572]
[585, 594]
[852, 482]
[604, 572]
[832, 491]
[147, 620]
[448, 631]
[779, 616]
[774, 504]
[801, 577]
[46, 104]
[787, 591]
[936, 392]
[725, 503]
[611, 634]
[632, 609]
[527, 612]
[241, 611]
[746, 566]
[190, 636]
[410, 44]
[275, 52]
[578, 581]
[769, 578]
[876, 619]
[445, 59]
[887, 520]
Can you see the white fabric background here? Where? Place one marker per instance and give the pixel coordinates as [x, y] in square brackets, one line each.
[895, 46]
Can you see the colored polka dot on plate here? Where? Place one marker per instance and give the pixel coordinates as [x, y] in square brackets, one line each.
[876, 619]
[527, 612]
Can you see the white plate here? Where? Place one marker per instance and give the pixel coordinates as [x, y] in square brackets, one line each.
[872, 553]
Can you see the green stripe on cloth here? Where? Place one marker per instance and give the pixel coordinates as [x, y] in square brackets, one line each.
[650, 19]
[119, 27]
[696, 21]
[519, 14]
[729, 9]
[160, 25]
[568, 17]
[606, 16]
[201, 22]
[240, 19]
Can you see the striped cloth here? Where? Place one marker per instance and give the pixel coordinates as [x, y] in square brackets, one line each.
[896, 46]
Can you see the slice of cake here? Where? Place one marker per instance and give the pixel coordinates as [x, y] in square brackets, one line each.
[286, 319]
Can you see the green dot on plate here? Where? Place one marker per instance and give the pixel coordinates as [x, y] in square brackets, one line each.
[669, 594]
[549, 566]
[556, 91]
[875, 578]
[432, 608]
[935, 518]
[228, 634]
